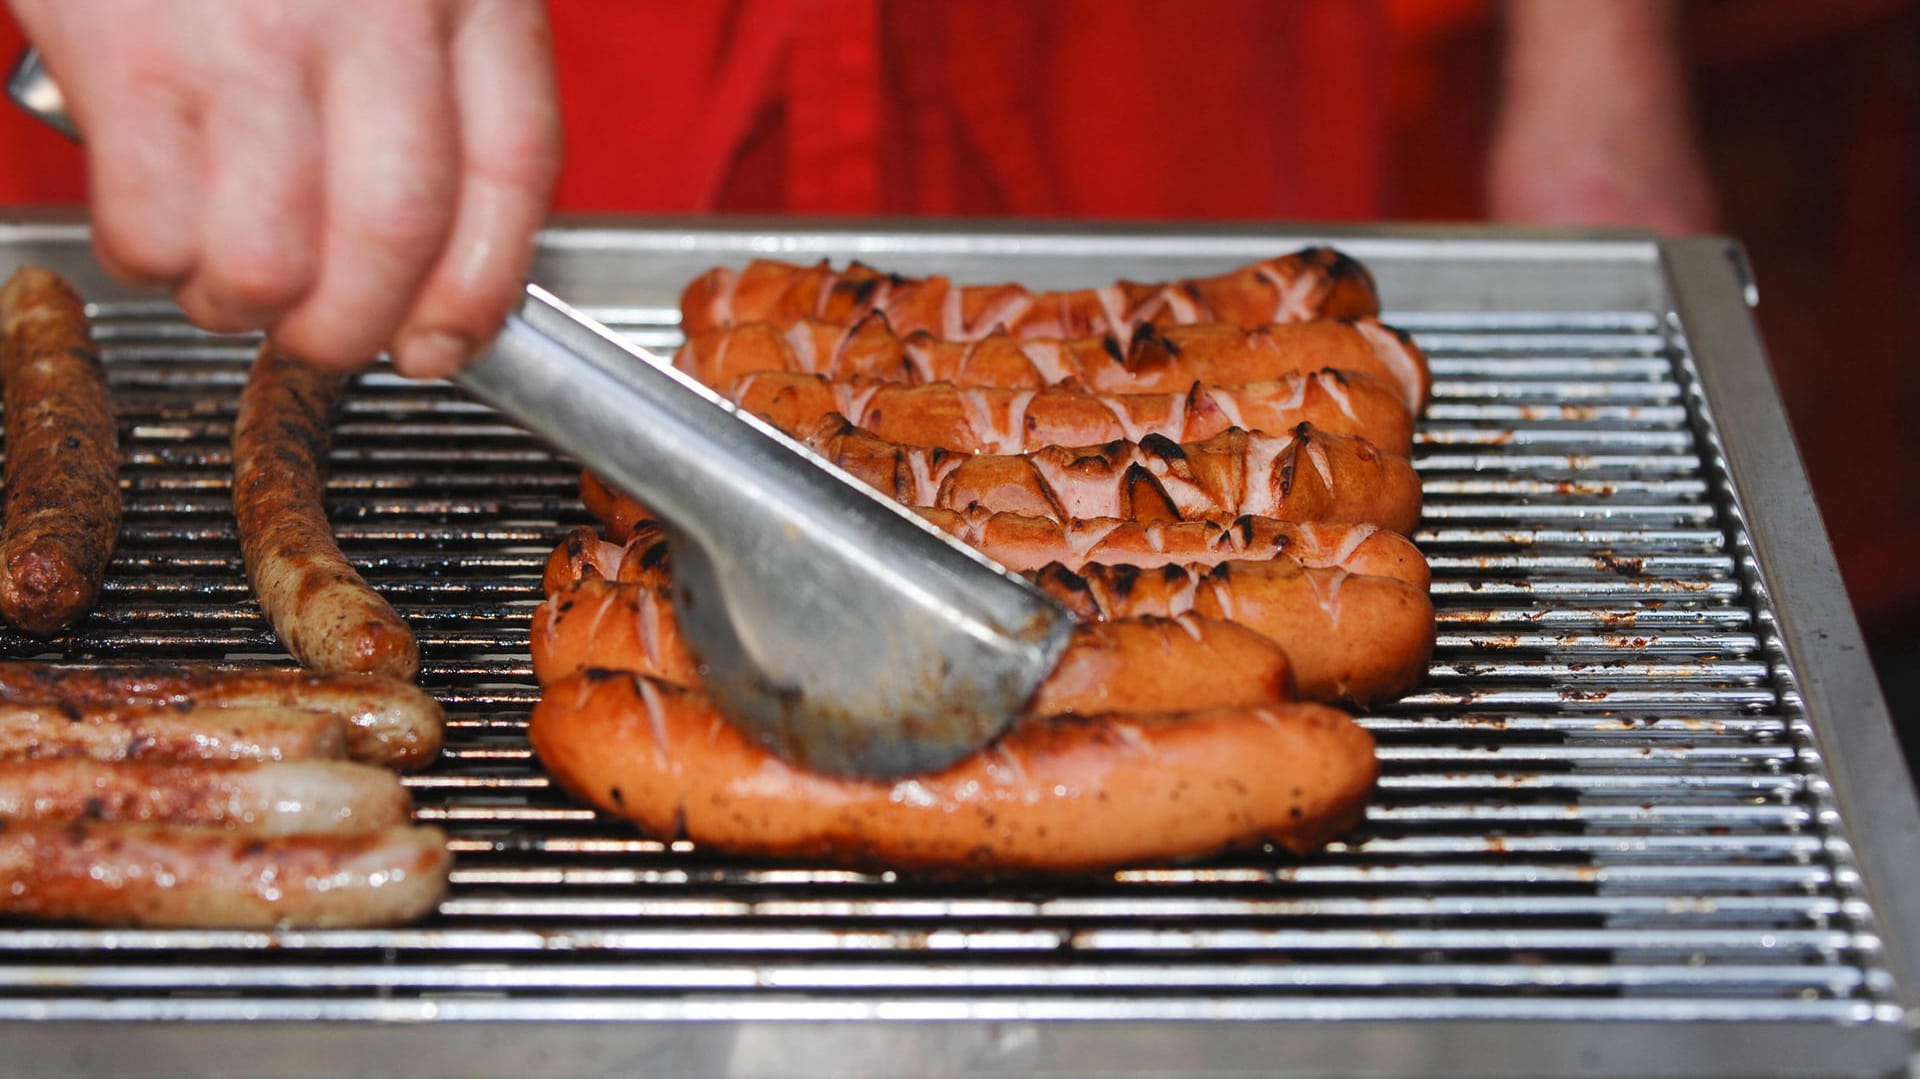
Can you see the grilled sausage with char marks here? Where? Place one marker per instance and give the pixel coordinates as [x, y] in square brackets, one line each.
[158, 875]
[387, 721]
[259, 799]
[63, 489]
[321, 608]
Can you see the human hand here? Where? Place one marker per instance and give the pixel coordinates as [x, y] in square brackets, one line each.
[345, 174]
[1594, 127]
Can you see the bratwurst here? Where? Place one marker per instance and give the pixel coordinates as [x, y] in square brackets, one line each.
[63, 490]
[322, 609]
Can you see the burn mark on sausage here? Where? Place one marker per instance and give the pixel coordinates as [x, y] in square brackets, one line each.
[861, 291]
[1161, 446]
[619, 797]
[653, 556]
[94, 809]
[1147, 502]
[1111, 345]
[253, 848]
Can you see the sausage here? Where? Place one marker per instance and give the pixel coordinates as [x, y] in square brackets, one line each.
[989, 419]
[1056, 794]
[1314, 282]
[286, 798]
[321, 608]
[619, 514]
[1301, 475]
[1348, 637]
[1143, 664]
[158, 875]
[601, 622]
[1144, 360]
[63, 488]
[388, 722]
[37, 731]
[641, 557]
[1024, 543]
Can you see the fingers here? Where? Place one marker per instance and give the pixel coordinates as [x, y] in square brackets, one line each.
[260, 233]
[390, 180]
[510, 146]
[144, 184]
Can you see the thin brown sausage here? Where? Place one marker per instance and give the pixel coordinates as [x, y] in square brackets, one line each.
[323, 611]
[260, 799]
[158, 875]
[1056, 794]
[388, 721]
[63, 490]
[1314, 282]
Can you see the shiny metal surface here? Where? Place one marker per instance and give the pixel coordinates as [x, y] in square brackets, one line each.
[1617, 831]
[834, 625]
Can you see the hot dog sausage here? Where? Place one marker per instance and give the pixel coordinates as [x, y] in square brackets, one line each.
[1024, 543]
[157, 875]
[1348, 637]
[1144, 664]
[984, 419]
[388, 722]
[1056, 794]
[1364, 639]
[1301, 475]
[63, 493]
[34, 731]
[1314, 282]
[287, 798]
[1145, 360]
[324, 612]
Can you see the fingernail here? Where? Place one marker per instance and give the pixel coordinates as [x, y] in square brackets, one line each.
[431, 354]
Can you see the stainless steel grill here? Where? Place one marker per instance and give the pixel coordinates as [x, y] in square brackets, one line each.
[1611, 834]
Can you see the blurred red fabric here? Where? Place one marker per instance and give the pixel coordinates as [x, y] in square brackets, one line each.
[1263, 109]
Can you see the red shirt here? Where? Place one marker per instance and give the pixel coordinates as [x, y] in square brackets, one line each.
[1093, 108]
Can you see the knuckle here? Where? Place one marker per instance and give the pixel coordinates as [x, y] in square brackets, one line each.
[140, 253]
[268, 280]
[208, 313]
[323, 340]
[407, 217]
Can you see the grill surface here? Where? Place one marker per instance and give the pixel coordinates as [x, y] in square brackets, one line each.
[1603, 803]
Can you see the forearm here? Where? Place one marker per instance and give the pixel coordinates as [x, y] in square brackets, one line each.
[1594, 124]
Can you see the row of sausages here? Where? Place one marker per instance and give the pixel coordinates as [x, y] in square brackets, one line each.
[1185, 464]
[197, 794]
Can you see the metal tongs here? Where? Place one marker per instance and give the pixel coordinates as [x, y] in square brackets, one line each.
[833, 625]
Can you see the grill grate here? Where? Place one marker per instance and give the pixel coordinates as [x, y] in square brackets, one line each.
[1604, 802]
